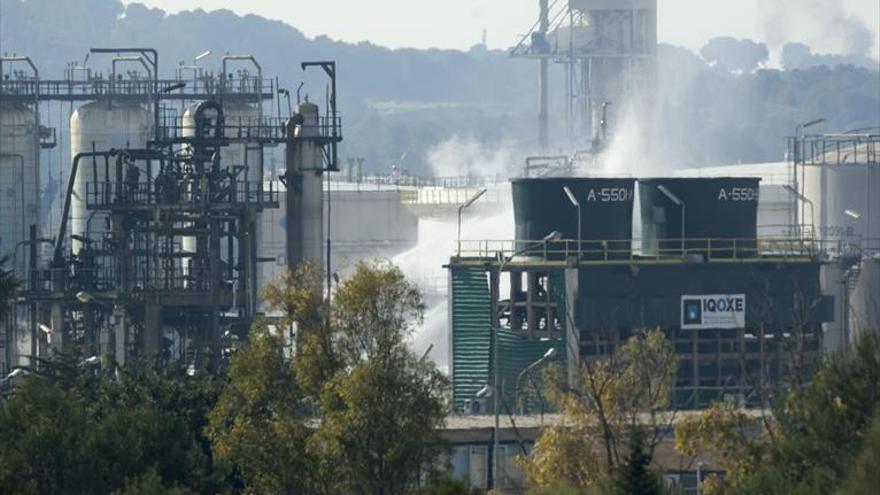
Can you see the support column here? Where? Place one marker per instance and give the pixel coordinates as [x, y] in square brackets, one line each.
[121, 335]
[152, 338]
[572, 332]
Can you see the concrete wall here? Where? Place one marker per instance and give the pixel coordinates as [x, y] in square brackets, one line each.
[364, 225]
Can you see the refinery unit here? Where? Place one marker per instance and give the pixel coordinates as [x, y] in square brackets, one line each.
[159, 243]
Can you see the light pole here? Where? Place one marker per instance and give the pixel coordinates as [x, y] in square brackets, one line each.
[803, 198]
[461, 208]
[577, 204]
[493, 389]
[678, 202]
[551, 352]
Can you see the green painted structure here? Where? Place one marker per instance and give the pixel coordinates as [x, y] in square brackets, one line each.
[472, 351]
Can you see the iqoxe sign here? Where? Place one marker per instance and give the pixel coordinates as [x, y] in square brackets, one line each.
[713, 311]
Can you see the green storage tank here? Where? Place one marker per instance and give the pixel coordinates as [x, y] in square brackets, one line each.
[720, 216]
[540, 206]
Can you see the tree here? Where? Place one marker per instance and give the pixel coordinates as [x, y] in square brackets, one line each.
[813, 437]
[864, 477]
[616, 396]
[381, 424]
[635, 476]
[71, 429]
[383, 409]
[257, 426]
[353, 411]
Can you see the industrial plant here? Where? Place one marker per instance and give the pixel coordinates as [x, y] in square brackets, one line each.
[157, 249]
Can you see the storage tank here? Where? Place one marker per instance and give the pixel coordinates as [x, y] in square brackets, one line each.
[19, 180]
[101, 126]
[540, 207]
[720, 216]
[846, 201]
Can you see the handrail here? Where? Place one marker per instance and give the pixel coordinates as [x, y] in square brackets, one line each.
[669, 250]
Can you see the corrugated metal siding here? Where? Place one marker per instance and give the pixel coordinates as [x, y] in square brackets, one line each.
[471, 332]
[472, 354]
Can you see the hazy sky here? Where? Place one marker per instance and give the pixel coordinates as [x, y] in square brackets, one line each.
[824, 24]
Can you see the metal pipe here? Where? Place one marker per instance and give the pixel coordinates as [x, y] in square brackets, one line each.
[57, 259]
[19, 58]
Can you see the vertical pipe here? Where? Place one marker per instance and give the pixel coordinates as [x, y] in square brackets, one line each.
[543, 119]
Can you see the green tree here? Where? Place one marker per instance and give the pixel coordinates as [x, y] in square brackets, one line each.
[863, 477]
[257, 426]
[384, 407]
[811, 439]
[70, 429]
[378, 407]
[381, 424]
[635, 476]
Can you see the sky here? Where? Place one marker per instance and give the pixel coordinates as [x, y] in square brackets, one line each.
[826, 25]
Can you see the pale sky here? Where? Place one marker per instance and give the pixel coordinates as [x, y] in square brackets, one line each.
[459, 23]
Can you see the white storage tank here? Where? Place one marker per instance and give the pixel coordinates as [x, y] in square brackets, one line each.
[846, 200]
[101, 126]
[19, 179]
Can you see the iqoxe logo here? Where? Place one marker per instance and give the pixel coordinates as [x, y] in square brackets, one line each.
[713, 311]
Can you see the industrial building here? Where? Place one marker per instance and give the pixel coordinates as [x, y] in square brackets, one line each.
[751, 271]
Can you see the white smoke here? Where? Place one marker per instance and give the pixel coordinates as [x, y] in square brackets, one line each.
[465, 156]
[822, 24]
[423, 264]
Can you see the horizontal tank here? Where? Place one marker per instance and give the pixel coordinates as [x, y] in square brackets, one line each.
[720, 216]
[101, 126]
[19, 180]
[845, 201]
[540, 207]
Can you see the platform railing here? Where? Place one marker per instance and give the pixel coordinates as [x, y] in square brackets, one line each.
[656, 250]
[104, 195]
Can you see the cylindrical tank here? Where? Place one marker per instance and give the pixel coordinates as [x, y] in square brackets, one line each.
[19, 180]
[101, 126]
[720, 216]
[865, 299]
[846, 201]
[540, 207]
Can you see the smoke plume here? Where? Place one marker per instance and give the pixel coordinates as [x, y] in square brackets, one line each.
[822, 24]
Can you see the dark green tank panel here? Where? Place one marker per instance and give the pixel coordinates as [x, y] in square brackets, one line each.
[721, 216]
[540, 207]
